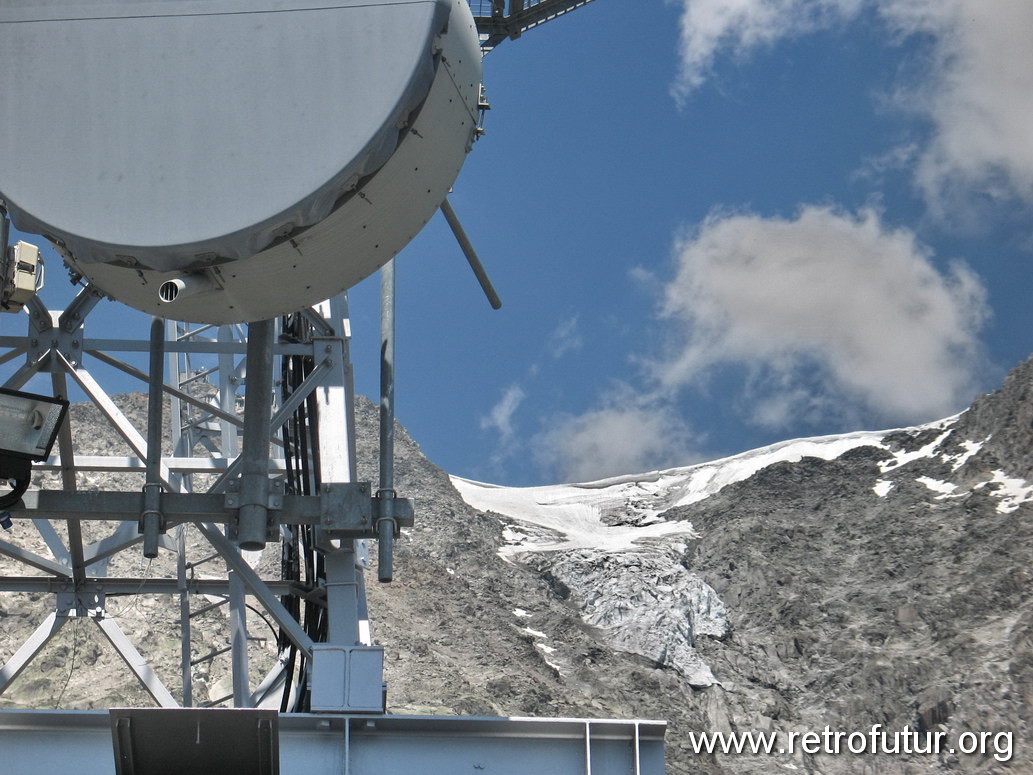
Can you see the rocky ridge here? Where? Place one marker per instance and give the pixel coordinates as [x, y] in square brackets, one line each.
[877, 578]
[846, 581]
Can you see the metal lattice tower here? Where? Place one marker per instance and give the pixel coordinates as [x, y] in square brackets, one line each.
[211, 376]
[327, 661]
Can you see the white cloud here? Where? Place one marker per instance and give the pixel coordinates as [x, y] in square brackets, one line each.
[565, 338]
[830, 313]
[777, 400]
[709, 27]
[500, 418]
[899, 157]
[623, 437]
[975, 93]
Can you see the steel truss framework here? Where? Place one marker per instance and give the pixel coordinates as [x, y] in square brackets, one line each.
[244, 484]
[237, 495]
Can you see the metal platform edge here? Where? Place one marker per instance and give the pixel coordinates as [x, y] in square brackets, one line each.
[41, 742]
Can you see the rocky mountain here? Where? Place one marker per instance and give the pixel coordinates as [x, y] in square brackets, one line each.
[847, 581]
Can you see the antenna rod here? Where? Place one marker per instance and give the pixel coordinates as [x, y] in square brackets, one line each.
[151, 518]
[386, 493]
[471, 254]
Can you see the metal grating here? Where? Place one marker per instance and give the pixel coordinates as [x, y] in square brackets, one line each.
[501, 19]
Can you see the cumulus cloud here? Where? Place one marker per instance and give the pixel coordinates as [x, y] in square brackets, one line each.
[622, 437]
[834, 317]
[709, 27]
[827, 311]
[975, 93]
[500, 418]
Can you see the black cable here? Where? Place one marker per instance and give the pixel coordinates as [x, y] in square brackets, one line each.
[268, 623]
[18, 488]
[299, 558]
[71, 661]
[288, 681]
[18, 472]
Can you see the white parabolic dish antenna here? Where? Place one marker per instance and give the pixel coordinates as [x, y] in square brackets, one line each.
[239, 159]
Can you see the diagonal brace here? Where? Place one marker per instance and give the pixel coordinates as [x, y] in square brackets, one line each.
[257, 587]
[30, 648]
[136, 662]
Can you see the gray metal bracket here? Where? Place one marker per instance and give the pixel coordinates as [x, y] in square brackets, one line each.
[342, 510]
[273, 503]
[348, 511]
[86, 599]
[495, 22]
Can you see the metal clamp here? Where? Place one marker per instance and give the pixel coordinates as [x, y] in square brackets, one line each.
[273, 502]
[152, 521]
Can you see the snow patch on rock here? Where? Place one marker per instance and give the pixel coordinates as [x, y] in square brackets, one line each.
[971, 448]
[944, 488]
[609, 544]
[902, 457]
[1012, 492]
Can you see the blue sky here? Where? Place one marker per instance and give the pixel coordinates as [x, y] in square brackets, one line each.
[716, 224]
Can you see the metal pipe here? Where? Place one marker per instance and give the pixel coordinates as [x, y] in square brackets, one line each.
[471, 254]
[254, 457]
[184, 616]
[387, 376]
[385, 545]
[184, 286]
[5, 232]
[386, 493]
[238, 642]
[151, 518]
